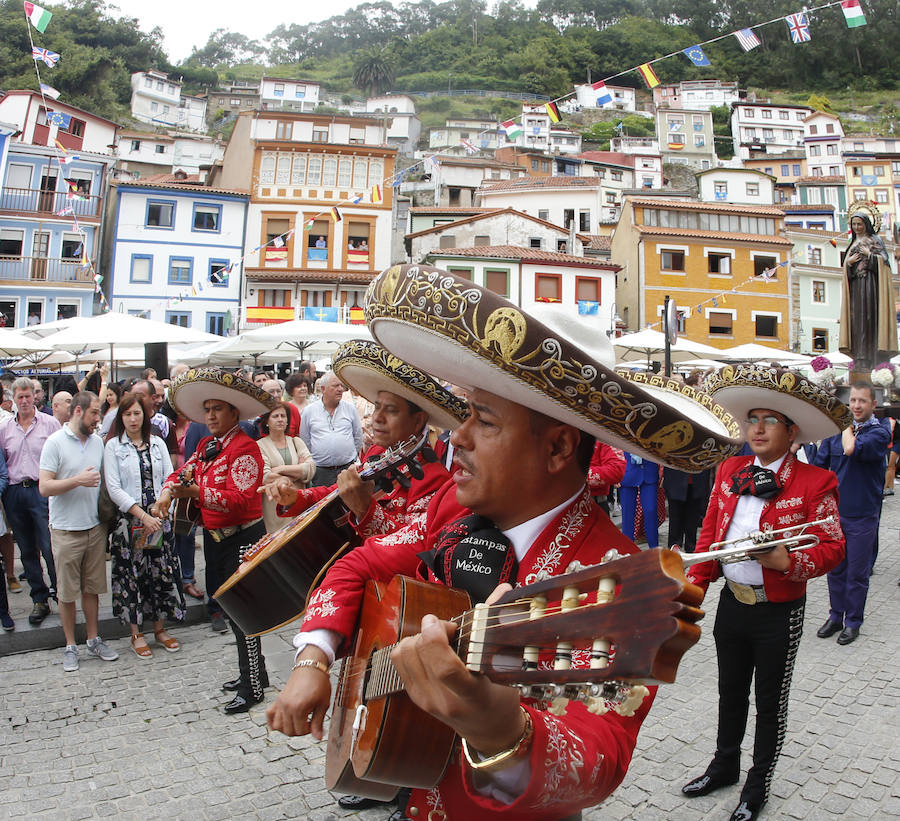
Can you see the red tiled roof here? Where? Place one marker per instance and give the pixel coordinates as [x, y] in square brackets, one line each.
[523, 254]
[543, 182]
[429, 209]
[487, 212]
[819, 206]
[146, 135]
[189, 184]
[831, 179]
[696, 205]
[611, 157]
[599, 242]
[723, 235]
[283, 275]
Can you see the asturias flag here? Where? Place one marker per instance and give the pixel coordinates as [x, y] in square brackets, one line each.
[37, 16]
[853, 13]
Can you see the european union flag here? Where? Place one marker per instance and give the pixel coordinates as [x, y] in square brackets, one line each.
[696, 55]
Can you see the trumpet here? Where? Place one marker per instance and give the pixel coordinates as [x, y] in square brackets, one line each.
[793, 538]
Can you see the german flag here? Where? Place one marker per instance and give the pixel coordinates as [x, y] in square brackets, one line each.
[335, 214]
[553, 112]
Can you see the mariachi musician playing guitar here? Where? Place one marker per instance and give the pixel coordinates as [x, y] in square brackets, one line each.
[518, 510]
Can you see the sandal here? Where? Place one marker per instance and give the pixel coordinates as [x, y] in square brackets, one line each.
[143, 650]
[171, 645]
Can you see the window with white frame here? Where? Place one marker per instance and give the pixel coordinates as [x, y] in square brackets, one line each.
[752, 189]
[672, 260]
[765, 325]
[721, 323]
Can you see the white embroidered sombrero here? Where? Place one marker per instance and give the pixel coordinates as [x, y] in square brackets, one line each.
[194, 387]
[368, 368]
[474, 338]
[742, 388]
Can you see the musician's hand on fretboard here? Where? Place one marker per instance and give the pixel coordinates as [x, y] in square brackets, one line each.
[354, 492]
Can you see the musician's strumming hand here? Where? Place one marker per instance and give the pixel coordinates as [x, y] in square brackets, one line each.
[281, 491]
[301, 706]
[487, 715]
[160, 508]
[777, 558]
[354, 492]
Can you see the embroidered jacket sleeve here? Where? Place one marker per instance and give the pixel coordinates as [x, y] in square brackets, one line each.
[306, 497]
[174, 478]
[820, 494]
[402, 507]
[607, 469]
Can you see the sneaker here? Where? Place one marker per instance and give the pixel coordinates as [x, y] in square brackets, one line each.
[14, 585]
[70, 658]
[217, 620]
[99, 648]
[39, 612]
[7, 622]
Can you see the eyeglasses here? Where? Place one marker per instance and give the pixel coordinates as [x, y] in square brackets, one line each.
[768, 421]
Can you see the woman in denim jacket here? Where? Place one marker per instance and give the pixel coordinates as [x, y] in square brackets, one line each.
[146, 575]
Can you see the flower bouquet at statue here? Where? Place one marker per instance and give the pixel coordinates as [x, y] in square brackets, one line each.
[885, 376]
[823, 372]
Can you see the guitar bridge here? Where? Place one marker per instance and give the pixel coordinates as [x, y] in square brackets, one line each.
[359, 724]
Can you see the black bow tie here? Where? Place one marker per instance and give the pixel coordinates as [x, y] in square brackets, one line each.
[473, 555]
[756, 480]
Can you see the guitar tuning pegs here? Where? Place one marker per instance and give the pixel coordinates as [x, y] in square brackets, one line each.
[636, 694]
[428, 454]
[558, 706]
[415, 469]
[596, 705]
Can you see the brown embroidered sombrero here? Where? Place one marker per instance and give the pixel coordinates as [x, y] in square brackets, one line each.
[472, 337]
[194, 387]
[368, 368]
[741, 388]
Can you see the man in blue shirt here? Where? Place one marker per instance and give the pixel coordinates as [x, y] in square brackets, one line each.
[332, 431]
[858, 457]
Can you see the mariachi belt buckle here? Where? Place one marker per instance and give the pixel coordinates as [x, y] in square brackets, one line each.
[744, 593]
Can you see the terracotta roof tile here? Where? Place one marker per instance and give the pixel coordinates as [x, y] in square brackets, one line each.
[696, 205]
[429, 209]
[309, 276]
[543, 182]
[485, 213]
[599, 242]
[723, 235]
[520, 253]
[179, 185]
[832, 179]
[819, 206]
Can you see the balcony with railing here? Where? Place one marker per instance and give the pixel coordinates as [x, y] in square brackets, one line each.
[38, 201]
[44, 270]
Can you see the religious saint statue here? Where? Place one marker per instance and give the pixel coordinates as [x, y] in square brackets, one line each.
[868, 330]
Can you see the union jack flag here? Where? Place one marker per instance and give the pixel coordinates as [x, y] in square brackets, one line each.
[799, 27]
[470, 148]
[51, 58]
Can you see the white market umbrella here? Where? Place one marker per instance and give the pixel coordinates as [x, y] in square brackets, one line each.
[116, 328]
[46, 360]
[16, 343]
[643, 345]
[301, 333]
[754, 352]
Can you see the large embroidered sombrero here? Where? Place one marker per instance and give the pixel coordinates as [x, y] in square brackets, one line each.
[474, 338]
[368, 368]
[741, 388]
[190, 390]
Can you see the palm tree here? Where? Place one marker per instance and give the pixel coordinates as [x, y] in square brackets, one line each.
[373, 73]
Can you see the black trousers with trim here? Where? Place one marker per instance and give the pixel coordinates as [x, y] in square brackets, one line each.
[758, 642]
[222, 560]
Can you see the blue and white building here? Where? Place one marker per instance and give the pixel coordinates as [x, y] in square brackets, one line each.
[175, 249]
[54, 176]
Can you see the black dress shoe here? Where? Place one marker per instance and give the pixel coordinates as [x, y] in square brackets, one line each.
[360, 802]
[705, 784]
[828, 629]
[848, 634]
[235, 683]
[240, 704]
[745, 811]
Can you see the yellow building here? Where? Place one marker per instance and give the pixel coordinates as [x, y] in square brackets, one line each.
[724, 265]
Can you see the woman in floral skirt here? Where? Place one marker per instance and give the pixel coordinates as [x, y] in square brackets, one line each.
[146, 575]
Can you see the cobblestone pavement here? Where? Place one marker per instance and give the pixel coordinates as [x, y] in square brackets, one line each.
[136, 739]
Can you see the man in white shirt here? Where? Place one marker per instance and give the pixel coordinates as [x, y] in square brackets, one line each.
[70, 476]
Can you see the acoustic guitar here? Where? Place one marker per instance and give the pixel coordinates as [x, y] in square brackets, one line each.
[597, 635]
[273, 583]
[186, 511]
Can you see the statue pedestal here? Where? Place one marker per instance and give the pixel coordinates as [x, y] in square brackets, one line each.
[856, 376]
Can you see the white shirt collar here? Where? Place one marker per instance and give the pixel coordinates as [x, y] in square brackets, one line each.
[774, 466]
[524, 535]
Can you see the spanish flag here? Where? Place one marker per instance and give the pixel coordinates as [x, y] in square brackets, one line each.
[335, 214]
[649, 75]
[552, 111]
[376, 194]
